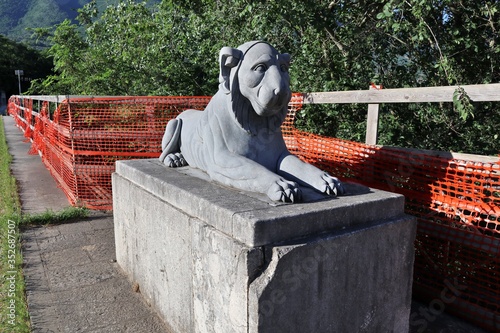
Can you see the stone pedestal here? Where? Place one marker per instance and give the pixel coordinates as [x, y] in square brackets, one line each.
[215, 259]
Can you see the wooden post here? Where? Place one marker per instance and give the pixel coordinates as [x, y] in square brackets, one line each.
[372, 121]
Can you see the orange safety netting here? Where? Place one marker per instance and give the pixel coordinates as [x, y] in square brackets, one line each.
[456, 200]
[81, 140]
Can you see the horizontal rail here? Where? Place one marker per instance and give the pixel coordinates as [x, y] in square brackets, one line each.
[447, 155]
[373, 97]
[477, 93]
[49, 98]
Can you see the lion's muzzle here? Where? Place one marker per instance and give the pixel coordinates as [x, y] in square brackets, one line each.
[272, 94]
[274, 91]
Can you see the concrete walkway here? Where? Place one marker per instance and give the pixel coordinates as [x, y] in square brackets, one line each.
[37, 188]
[73, 282]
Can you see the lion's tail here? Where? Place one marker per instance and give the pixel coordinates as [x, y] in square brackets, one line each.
[171, 139]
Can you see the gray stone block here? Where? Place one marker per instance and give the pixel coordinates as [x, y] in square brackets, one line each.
[354, 281]
[213, 259]
[153, 246]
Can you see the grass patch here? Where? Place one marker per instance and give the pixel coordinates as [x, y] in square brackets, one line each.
[13, 309]
[50, 217]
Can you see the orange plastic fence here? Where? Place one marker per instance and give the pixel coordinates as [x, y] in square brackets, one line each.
[456, 201]
[457, 205]
[80, 141]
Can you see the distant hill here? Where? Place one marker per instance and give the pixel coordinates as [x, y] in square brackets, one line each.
[16, 16]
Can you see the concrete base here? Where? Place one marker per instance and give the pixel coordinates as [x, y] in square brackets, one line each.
[214, 259]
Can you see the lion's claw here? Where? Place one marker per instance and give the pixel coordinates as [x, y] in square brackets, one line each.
[284, 191]
[175, 160]
[331, 185]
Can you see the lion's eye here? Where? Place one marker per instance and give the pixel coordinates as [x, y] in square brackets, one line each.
[260, 68]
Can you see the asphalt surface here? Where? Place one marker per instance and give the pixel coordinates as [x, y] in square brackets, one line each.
[72, 280]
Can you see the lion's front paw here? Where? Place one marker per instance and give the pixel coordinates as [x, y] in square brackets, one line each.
[331, 185]
[284, 191]
[175, 160]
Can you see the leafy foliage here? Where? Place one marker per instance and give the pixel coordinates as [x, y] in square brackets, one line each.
[171, 48]
[462, 104]
[449, 42]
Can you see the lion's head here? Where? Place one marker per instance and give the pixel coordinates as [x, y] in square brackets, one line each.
[256, 76]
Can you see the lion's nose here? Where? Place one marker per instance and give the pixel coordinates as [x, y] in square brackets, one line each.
[273, 92]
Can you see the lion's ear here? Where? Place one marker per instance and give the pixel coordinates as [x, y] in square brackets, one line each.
[228, 58]
[286, 57]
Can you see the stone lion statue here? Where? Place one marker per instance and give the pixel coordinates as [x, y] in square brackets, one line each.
[237, 140]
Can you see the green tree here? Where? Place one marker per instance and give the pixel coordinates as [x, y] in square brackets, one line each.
[123, 51]
[172, 49]
[444, 42]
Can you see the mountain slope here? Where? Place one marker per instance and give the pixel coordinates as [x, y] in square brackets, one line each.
[16, 16]
[10, 12]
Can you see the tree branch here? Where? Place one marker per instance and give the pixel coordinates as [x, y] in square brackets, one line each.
[441, 57]
[336, 42]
